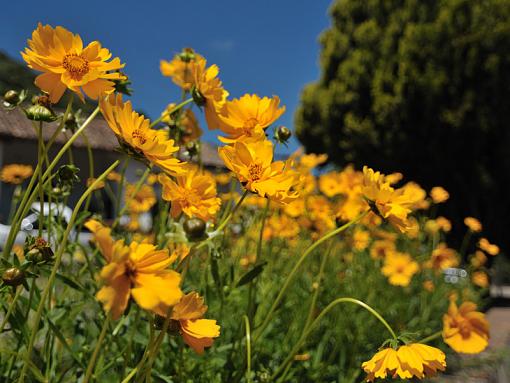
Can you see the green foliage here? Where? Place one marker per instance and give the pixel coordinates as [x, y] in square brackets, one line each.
[420, 87]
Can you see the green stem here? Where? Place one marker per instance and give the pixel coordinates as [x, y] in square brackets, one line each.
[40, 154]
[328, 308]
[248, 348]
[11, 308]
[289, 278]
[173, 110]
[431, 337]
[92, 361]
[51, 278]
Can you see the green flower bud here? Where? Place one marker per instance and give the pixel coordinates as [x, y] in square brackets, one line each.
[12, 97]
[198, 98]
[282, 134]
[40, 113]
[187, 55]
[13, 276]
[194, 228]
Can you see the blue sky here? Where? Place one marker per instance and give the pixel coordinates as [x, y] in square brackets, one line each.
[264, 47]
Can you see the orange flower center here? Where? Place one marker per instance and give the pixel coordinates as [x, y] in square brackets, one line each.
[255, 172]
[249, 126]
[139, 136]
[76, 65]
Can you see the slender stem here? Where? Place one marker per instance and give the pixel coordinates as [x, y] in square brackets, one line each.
[153, 353]
[92, 361]
[51, 278]
[40, 154]
[248, 348]
[289, 278]
[11, 308]
[328, 308]
[121, 185]
[130, 375]
[431, 337]
[171, 111]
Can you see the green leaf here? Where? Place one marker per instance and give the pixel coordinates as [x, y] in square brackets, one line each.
[251, 275]
[62, 340]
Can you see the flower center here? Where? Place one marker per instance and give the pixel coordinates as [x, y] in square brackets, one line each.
[76, 65]
[139, 136]
[249, 126]
[255, 172]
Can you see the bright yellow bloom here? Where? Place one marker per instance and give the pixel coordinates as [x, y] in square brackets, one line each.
[210, 91]
[136, 136]
[281, 226]
[330, 184]
[138, 271]
[248, 116]
[408, 361]
[488, 247]
[443, 258]
[439, 194]
[295, 208]
[182, 68]
[473, 224]
[193, 193]
[389, 203]
[399, 268]
[142, 201]
[198, 333]
[394, 178]
[479, 259]
[416, 195]
[252, 163]
[67, 64]
[15, 173]
[480, 279]
[311, 160]
[223, 178]
[381, 248]
[320, 212]
[465, 329]
[114, 176]
[444, 224]
[360, 239]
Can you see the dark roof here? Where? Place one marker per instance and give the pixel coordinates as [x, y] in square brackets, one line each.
[13, 123]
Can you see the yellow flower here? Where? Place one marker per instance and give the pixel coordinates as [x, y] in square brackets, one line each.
[387, 202]
[360, 239]
[210, 91]
[15, 173]
[443, 258]
[179, 251]
[193, 193]
[399, 268]
[465, 329]
[67, 64]
[281, 226]
[248, 116]
[439, 194]
[444, 224]
[252, 163]
[223, 178]
[138, 271]
[415, 194]
[142, 201]
[488, 247]
[381, 248]
[473, 224]
[394, 178]
[114, 176]
[312, 160]
[330, 184]
[198, 333]
[186, 121]
[136, 136]
[408, 361]
[295, 208]
[479, 259]
[182, 68]
[428, 285]
[480, 279]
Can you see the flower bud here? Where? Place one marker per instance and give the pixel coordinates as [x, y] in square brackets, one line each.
[68, 174]
[13, 276]
[282, 134]
[34, 255]
[194, 228]
[187, 55]
[40, 113]
[12, 97]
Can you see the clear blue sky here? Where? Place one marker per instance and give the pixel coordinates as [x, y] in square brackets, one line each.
[264, 47]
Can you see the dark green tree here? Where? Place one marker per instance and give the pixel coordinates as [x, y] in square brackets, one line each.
[421, 87]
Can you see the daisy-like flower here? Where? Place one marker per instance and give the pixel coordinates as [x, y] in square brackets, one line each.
[480, 279]
[465, 329]
[443, 257]
[187, 317]
[252, 163]
[399, 268]
[67, 64]
[137, 138]
[248, 117]
[311, 160]
[181, 68]
[15, 173]
[208, 92]
[391, 204]
[439, 194]
[193, 193]
[138, 271]
[473, 224]
[382, 247]
[488, 247]
[408, 361]
[142, 201]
